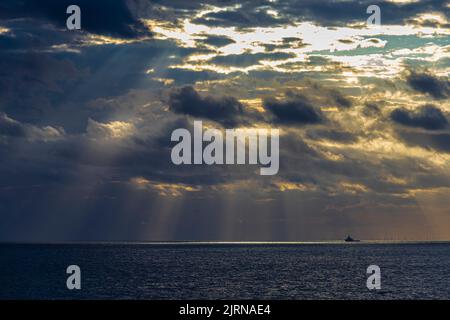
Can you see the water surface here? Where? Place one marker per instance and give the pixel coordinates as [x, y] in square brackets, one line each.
[226, 271]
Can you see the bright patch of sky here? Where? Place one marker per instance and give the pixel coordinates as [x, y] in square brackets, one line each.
[384, 47]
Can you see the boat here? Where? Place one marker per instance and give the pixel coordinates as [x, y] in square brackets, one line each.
[350, 239]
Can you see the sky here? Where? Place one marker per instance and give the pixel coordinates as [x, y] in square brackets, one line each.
[86, 118]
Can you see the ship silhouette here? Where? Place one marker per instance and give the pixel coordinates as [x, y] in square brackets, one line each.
[350, 239]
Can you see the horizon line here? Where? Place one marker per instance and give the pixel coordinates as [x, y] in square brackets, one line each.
[212, 242]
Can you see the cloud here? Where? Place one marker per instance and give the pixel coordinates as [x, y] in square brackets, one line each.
[265, 13]
[427, 117]
[426, 83]
[371, 109]
[61, 86]
[10, 127]
[340, 99]
[163, 189]
[249, 15]
[249, 59]
[333, 135]
[285, 43]
[216, 41]
[338, 13]
[225, 110]
[30, 83]
[110, 130]
[15, 129]
[294, 109]
[112, 18]
[186, 76]
[25, 35]
[431, 20]
[427, 140]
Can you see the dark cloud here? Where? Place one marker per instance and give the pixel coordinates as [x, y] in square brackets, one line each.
[56, 88]
[121, 18]
[186, 76]
[10, 127]
[225, 110]
[104, 17]
[248, 15]
[371, 109]
[340, 99]
[426, 83]
[30, 83]
[285, 43]
[216, 41]
[35, 36]
[427, 140]
[428, 23]
[339, 13]
[333, 135]
[427, 117]
[249, 59]
[255, 13]
[294, 109]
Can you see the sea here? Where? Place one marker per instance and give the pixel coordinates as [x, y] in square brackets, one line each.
[194, 270]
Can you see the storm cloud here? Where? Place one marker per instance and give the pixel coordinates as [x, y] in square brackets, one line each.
[225, 110]
[293, 110]
[426, 83]
[112, 18]
[427, 117]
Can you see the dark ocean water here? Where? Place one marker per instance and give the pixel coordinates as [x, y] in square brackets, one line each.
[226, 271]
